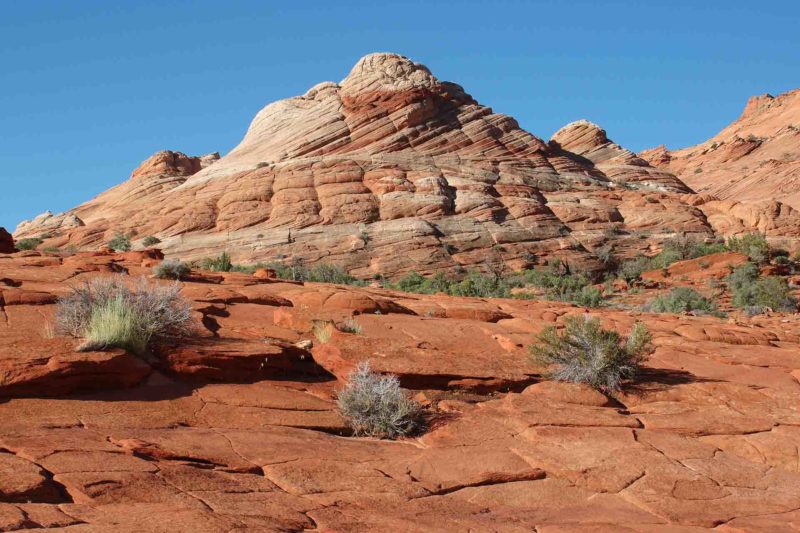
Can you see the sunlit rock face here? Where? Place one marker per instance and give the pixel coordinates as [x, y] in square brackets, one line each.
[388, 171]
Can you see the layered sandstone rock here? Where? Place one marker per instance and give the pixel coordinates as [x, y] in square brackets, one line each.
[619, 164]
[388, 171]
[755, 158]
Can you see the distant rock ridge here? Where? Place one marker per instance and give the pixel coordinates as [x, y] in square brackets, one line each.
[392, 170]
[754, 159]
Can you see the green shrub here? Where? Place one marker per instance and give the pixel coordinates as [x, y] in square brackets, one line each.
[51, 249]
[221, 263]
[632, 269]
[319, 273]
[753, 245]
[376, 406]
[587, 353]
[681, 300]
[751, 292]
[588, 296]
[473, 284]
[28, 244]
[106, 313]
[120, 243]
[150, 241]
[171, 269]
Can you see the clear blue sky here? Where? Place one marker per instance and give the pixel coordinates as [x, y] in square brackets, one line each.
[91, 88]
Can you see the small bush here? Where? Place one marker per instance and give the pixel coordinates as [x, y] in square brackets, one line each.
[150, 241]
[376, 406]
[632, 269]
[51, 249]
[221, 263]
[350, 326]
[319, 273]
[323, 331]
[120, 243]
[106, 313]
[473, 284]
[754, 294]
[681, 300]
[28, 244]
[753, 245]
[587, 353]
[171, 269]
[588, 296]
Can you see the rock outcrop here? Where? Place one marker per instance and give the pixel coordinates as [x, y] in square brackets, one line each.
[6, 242]
[754, 159]
[618, 164]
[236, 429]
[388, 171]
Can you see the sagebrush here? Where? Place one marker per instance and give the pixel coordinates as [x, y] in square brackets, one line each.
[586, 353]
[681, 300]
[171, 269]
[756, 294]
[120, 243]
[28, 244]
[375, 406]
[106, 313]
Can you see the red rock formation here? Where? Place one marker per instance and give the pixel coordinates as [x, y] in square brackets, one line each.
[754, 159]
[389, 171]
[618, 164]
[393, 170]
[237, 429]
[6, 242]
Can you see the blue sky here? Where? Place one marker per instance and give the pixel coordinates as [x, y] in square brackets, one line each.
[89, 89]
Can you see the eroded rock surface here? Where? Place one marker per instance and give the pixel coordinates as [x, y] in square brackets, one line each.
[393, 170]
[754, 159]
[236, 429]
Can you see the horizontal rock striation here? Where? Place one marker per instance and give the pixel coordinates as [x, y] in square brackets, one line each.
[388, 171]
[754, 159]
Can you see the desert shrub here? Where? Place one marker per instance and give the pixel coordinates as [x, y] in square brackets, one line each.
[319, 273]
[753, 245]
[150, 241]
[664, 259]
[681, 300]
[376, 406]
[323, 331]
[605, 255]
[350, 325]
[480, 285]
[120, 243]
[588, 296]
[51, 249]
[754, 294]
[413, 282]
[473, 284]
[631, 270]
[587, 353]
[171, 269]
[28, 244]
[106, 313]
[325, 273]
[221, 263]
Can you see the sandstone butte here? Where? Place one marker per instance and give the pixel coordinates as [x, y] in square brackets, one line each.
[392, 170]
[235, 429]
